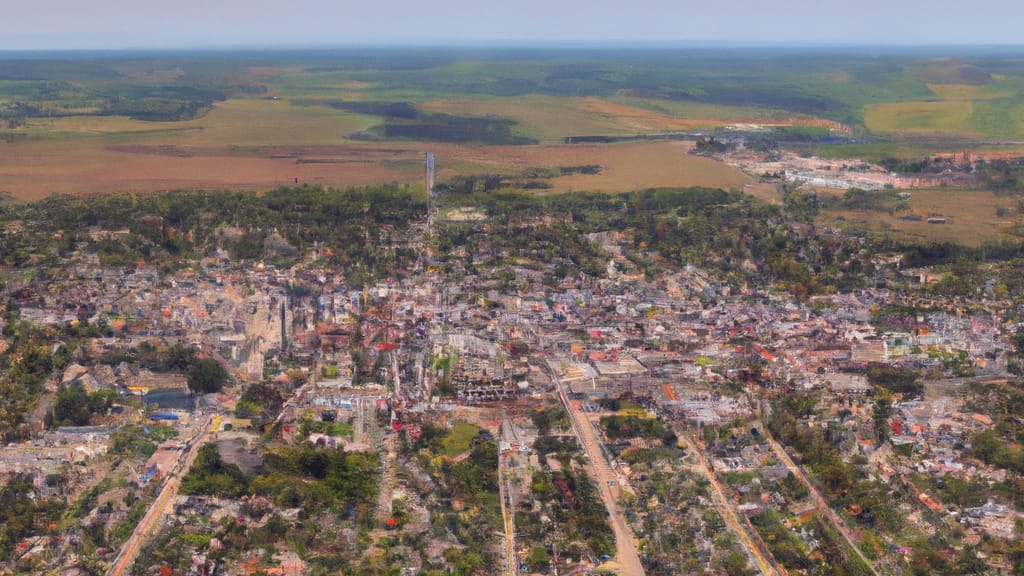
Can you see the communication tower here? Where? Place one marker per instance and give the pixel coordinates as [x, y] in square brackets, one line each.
[430, 173]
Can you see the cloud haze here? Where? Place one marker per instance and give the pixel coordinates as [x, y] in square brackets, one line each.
[63, 24]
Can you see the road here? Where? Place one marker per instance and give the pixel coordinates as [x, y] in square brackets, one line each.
[388, 455]
[765, 563]
[816, 497]
[626, 555]
[168, 492]
[511, 567]
[507, 502]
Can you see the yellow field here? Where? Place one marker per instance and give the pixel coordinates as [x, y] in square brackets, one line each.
[967, 92]
[237, 122]
[550, 118]
[635, 166]
[33, 170]
[971, 217]
[703, 115]
[952, 116]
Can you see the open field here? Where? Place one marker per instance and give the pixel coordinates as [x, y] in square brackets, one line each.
[966, 101]
[551, 118]
[916, 149]
[33, 170]
[969, 92]
[971, 216]
[359, 116]
[985, 118]
[635, 166]
[704, 115]
[952, 116]
[235, 122]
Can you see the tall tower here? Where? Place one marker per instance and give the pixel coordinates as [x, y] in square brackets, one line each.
[284, 328]
[430, 173]
[429, 182]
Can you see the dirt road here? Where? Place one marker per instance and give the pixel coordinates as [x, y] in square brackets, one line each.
[765, 563]
[818, 498]
[130, 551]
[626, 556]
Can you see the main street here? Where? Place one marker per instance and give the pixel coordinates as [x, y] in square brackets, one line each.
[168, 492]
[626, 555]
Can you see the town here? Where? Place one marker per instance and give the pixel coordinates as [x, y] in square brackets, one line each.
[514, 393]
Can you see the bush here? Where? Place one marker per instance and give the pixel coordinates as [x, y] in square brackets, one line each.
[206, 376]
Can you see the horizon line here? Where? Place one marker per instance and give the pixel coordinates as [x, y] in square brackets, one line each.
[584, 44]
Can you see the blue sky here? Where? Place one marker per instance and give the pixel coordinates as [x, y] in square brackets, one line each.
[69, 24]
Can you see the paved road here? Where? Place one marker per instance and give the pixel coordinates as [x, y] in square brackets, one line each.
[765, 563]
[130, 551]
[507, 504]
[626, 556]
[511, 567]
[817, 497]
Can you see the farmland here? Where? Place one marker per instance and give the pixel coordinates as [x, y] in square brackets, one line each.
[971, 217]
[252, 120]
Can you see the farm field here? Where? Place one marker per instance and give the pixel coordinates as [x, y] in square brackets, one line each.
[33, 170]
[990, 109]
[928, 117]
[350, 117]
[552, 118]
[238, 122]
[971, 217]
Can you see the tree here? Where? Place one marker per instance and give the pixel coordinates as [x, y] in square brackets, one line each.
[895, 379]
[72, 406]
[206, 376]
[539, 559]
[101, 401]
[881, 411]
[210, 475]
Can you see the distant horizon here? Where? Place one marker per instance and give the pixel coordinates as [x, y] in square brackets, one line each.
[513, 45]
[44, 25]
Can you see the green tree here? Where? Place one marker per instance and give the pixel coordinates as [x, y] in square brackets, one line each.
[881, 412]
[206, 376]
[538, 559]
[210, 475]
[72, 406]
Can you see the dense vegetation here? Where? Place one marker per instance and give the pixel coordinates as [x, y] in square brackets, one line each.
[472, 483]
[21, 515]
[354, 227]
[206, 376]
[46, 87]
[76, 407]
[564, 514]
[624, 427]
[844, 484]
[301, 477]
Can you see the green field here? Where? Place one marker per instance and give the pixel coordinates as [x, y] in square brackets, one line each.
[460, 439]
[255, 120]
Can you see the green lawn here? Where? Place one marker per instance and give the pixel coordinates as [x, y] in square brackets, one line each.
[460, 438]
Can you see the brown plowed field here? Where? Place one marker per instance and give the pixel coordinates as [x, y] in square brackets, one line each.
[36, 169]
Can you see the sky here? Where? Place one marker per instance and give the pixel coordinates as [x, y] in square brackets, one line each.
[115, 24]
